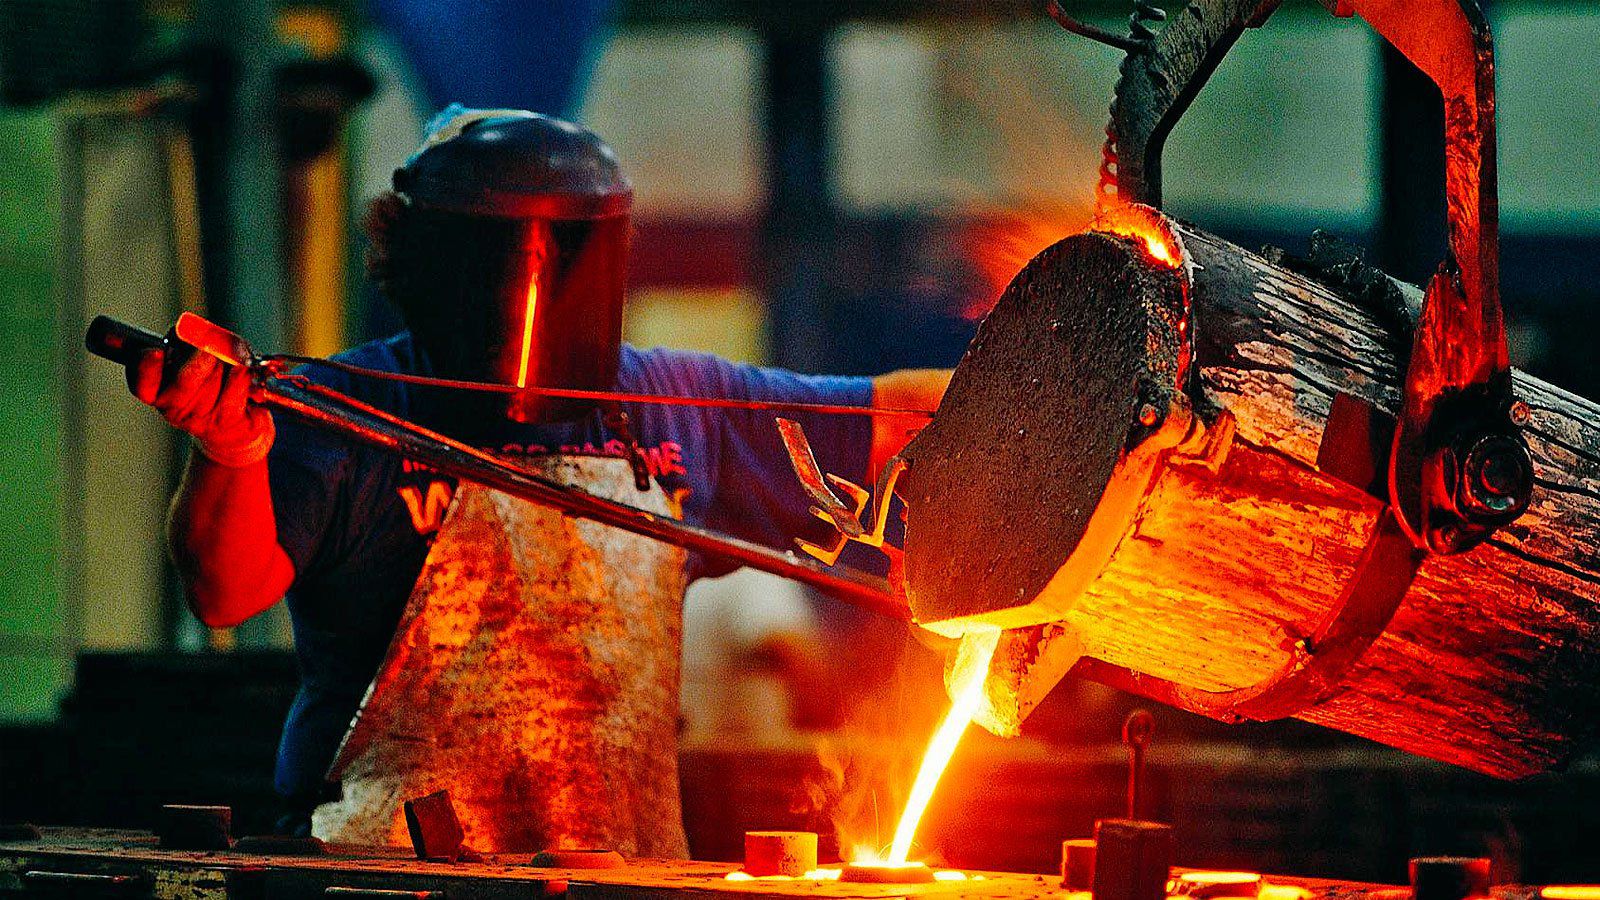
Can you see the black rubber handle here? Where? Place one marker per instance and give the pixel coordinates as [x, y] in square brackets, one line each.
[118, 341]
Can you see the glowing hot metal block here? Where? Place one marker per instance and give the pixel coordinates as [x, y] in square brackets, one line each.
[888, 873]
[1217, 885]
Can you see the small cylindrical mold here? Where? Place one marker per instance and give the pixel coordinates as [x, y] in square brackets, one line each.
[792, 853]
[1077, 864]
[1132, 859]
[1449, 877]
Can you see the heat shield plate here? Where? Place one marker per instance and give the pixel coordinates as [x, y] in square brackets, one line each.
[1003, 483]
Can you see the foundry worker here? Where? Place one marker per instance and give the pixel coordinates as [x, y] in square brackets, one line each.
[503, 245]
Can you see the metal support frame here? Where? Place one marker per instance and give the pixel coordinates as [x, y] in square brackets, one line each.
[1457, 467]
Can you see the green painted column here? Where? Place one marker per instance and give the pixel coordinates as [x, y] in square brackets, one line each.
[35, 644]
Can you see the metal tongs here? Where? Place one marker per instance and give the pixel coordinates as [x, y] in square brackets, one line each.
[341, 414]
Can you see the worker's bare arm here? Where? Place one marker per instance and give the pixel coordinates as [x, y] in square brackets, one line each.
[221, 526]
[905, 389]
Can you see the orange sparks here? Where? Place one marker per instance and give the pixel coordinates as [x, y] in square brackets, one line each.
[999, 246]
[971, 668]
[1159, 249]
[527, 332]
[1002, 245]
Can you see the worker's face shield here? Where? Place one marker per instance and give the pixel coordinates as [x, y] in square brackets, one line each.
[557, 315]
[522, 226]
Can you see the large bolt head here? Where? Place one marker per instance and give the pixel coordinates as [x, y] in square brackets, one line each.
[1494, 478]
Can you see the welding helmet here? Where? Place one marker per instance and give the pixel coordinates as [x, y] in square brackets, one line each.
[532, 212]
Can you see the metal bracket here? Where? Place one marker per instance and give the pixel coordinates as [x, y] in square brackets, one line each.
[1459, 468]
[845, 517]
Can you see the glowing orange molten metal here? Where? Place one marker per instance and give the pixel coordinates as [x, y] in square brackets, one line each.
[1144, 225]
[971, 668]
[1571, 892]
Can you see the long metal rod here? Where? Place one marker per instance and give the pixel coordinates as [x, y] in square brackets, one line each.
[615, 396]
[333, 411]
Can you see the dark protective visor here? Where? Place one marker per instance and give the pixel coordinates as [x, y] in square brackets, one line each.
[536, 210]
[559, 315]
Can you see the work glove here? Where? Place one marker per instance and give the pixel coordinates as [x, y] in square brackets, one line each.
[211, 402]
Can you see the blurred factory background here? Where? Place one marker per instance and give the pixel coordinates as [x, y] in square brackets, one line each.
[826, 185]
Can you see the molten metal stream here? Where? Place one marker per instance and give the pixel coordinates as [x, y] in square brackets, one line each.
[972, 667]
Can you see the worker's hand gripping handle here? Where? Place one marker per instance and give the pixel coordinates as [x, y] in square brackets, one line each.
[122, 343]
[207, 397]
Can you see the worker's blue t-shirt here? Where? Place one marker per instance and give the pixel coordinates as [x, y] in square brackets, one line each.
[357, 521]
